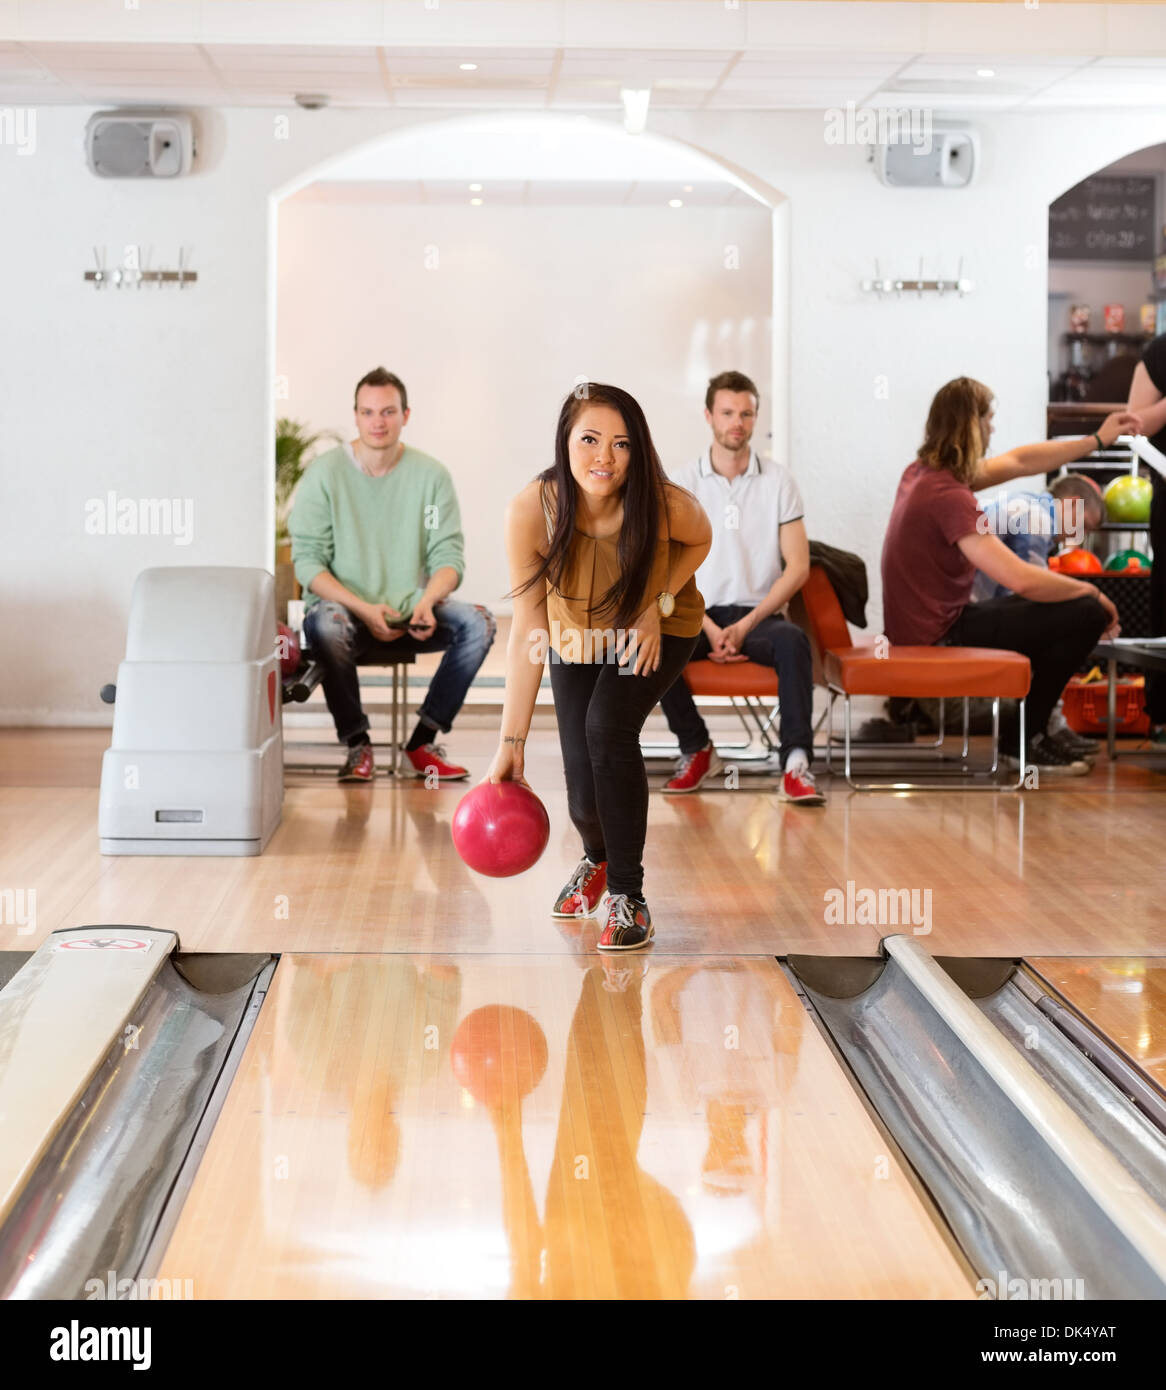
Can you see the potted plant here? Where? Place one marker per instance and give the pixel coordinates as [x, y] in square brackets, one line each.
[293, 443]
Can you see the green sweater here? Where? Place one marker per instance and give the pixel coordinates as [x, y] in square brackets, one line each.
[383, 538]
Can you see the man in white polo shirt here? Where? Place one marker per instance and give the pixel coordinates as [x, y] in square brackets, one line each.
[760, 558]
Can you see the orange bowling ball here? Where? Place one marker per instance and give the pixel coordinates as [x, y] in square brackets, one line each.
[1079, 561]
[498, 1051]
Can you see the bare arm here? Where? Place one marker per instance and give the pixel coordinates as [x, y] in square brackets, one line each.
[690, 526]
[795, 570]
[990, 555]
[526, 650]
[1050, 454]
[1147, 401]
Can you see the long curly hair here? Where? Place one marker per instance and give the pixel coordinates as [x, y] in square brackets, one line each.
[953, 439]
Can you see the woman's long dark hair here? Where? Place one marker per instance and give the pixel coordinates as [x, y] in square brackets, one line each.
[643, 502]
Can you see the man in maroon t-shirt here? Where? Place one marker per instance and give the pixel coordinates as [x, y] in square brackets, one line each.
[933, 512]
[935, 543]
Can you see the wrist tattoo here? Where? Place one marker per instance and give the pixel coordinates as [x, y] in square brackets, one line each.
[513, 738]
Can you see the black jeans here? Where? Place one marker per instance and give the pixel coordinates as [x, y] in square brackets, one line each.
[601, 708]
[783, 647]
[1056, 638]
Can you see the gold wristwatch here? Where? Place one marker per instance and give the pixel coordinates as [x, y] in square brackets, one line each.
[665, 603]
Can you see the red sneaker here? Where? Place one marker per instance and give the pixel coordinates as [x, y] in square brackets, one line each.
[359, 766]
[432, 756]
[800, 787]
[694, 768]
[629, 925]
[582, 894]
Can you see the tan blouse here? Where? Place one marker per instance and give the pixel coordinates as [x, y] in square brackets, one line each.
[592, 568]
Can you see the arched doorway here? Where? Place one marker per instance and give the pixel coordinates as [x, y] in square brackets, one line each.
[711, 301]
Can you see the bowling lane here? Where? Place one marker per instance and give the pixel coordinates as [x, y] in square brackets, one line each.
[429, 1126]
[1123, 997]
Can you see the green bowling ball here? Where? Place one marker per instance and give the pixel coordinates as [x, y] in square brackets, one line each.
[1130, 561]
[1128, 498]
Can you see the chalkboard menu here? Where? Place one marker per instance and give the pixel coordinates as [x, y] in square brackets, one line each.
[1111, 217]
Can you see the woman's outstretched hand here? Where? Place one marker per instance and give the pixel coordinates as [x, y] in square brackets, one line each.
[508, 765]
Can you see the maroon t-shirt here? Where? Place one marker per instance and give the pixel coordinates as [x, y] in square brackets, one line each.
[927, 580]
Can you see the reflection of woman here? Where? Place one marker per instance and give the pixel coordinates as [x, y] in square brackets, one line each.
[936, 542]
[602, 552]
[1148, 399]
[612, 1230]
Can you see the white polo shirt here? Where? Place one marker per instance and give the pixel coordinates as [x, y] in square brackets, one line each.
[746, 514]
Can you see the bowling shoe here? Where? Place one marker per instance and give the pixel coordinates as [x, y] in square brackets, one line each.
[359, 765]
[801, 788]
[432, 755]
[693, 769]
[581, 895]
[629, 924]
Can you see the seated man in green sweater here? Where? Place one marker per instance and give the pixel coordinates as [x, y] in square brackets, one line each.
[372, 521]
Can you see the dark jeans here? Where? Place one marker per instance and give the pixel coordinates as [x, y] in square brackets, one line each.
[1056, 638]
[601, 708]
[1155, 683]
[341, 643]
[782, 646]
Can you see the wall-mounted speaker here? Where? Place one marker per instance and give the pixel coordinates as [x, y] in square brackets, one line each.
[139, 144]
[945, 158]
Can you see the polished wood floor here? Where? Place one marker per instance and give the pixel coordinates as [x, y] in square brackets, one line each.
[435, 1126]
[1124, 998]
[1072, 869]
[450, 1094]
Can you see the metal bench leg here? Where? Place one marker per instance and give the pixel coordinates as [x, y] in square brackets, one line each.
[967, 719]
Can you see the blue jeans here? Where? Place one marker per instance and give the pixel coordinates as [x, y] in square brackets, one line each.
[780, 645]
[340, 642]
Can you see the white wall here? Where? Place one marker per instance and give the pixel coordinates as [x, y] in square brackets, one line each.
[165, 395]
[489, 315]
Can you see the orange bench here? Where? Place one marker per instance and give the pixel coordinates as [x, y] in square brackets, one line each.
[742, 683]
[877, 668]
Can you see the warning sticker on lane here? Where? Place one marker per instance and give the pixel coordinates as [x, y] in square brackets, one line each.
[104, 943]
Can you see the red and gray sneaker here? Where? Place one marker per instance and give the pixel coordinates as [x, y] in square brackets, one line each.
[801, 788]
[583, 893]
[629, 924]
[693, 769]
[431, 756]
[359, 765]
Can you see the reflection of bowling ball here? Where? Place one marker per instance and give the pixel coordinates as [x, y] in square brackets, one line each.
[287, 645]
[1129, 562]
[500, 828]
[498, 1050]
[1128, 498]
[1078, 561]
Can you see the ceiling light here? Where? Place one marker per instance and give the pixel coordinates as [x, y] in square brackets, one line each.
[985, 72]
[475, 188]
[635, 109]
[675, 203]
[688, 188]
[468, 67]
[475, 202]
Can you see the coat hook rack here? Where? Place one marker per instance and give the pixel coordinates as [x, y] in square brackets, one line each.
[882, 285]
[139, 273]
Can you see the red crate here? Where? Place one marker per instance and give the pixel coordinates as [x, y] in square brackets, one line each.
[1087, 706]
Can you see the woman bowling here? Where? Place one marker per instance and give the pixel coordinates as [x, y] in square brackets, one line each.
[936, 541]
[602, 552]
